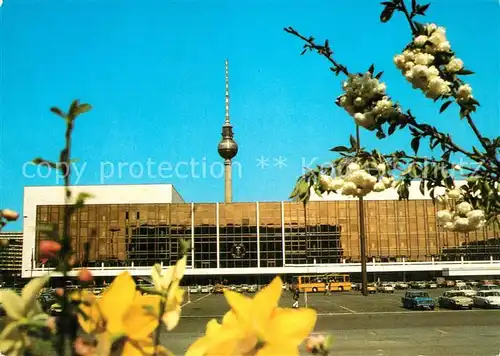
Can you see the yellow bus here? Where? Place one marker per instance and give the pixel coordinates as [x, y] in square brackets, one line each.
[317, 283]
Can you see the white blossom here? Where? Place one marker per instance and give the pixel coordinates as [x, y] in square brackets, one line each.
[420, 40]
[454, 194]
[463, 208]
[353, 167]
[349, 188]
[476, 217]
[378, 187]
[444, 216]
[464, 92]
[387, 181]
[381, 167]
[461, 224]
[454, 65]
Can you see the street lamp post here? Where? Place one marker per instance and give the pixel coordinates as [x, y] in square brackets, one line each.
[362, 236]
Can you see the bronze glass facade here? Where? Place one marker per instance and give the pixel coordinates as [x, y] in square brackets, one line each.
[266, 234]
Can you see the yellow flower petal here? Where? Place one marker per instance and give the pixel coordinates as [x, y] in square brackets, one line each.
[156, 276]
[239, 304]
[180, 268]
[116, 300]
[221, 341]
[289, 326]
[12, 303]
[171, 318]
[230, 319]
[141, 319]
[264, 303]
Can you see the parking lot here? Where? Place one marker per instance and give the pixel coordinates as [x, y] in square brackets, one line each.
[375, 325]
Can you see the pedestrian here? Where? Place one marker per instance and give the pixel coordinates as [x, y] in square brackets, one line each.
[296, 297]
[327, 288]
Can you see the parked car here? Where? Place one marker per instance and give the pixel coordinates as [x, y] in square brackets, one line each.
[487, 299]
[205, 289]
[488, 286]
[371, 288]
[432, 285]
[455, 300]
[419, 285]
[385, 288]
[473, 284]
[469, 291]
[418, 299]
[194, 289]
[401, 285]
[253, 288]
[460, 283]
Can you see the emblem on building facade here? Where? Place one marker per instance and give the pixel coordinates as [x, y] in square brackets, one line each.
[238, 250]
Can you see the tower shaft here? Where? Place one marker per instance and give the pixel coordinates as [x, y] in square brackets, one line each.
[228, 181]
[227, 146]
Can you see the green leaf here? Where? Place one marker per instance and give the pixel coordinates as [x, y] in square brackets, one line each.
[81, 109]
[464, 72]
[421, 9]
[41, 161]
[339, 149]
[445, 106]
[354, 143]
[80, 199]
[420, 27]
[415, 144]
[387, 13]
[392, 128]
[58, 112]
[422, 187]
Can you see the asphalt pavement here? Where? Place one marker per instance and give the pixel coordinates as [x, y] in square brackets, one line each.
[376, 325]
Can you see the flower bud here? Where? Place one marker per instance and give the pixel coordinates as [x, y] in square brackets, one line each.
[10, 215]
[457, 167]
[84, 275]
[59, 292]
[49, 248]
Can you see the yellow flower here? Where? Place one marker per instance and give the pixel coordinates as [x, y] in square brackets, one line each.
[21, 310]
[256, 326]
[169, 283]
[122, 312]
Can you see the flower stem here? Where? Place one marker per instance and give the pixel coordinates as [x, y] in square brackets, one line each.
[404, 9]
[163, 303]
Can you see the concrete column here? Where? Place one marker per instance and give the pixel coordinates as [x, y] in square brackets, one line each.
[217, 234]
[258, 233]
[228, 181]
[192, 235]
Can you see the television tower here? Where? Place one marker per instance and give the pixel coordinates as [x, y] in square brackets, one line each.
[227, 146]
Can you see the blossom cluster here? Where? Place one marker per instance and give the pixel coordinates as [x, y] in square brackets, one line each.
[458, 215]
[357, 182]
[366, 101]
[425, 62]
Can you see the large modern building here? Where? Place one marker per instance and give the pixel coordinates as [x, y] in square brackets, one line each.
[134, 226]
[131, 227]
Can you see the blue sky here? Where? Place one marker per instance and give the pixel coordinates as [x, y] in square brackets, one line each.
[154, 73]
